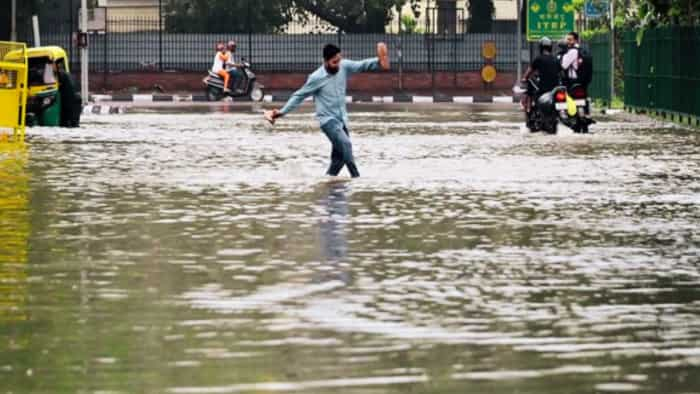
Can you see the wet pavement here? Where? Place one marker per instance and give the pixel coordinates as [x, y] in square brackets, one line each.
[205, 253]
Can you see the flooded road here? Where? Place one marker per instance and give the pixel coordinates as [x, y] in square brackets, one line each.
[205, 253]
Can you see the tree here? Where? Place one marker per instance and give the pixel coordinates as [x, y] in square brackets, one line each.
[227, 16]
[481, 14]
[356, 16]
[51, 13]
[667, 12]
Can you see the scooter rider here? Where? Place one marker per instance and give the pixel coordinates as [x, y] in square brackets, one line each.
[233, 66]
[547, 68]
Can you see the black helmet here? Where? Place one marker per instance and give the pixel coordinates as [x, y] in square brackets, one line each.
[545, 43]
[563, 46]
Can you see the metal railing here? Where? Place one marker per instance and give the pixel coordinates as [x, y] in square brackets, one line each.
[663, 73]
[140, 44]
[599, 47]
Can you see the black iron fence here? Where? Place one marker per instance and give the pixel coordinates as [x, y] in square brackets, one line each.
[662, 73]
[141, 44]
[599, 46]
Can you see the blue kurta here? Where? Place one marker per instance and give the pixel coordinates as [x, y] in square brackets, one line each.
[328, 90]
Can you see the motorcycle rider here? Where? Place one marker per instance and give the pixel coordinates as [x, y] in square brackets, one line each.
[71, 103]
[547, 68]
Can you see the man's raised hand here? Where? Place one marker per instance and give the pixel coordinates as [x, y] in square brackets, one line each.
[383, 55]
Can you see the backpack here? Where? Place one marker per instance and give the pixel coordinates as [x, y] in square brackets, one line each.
[585, 66]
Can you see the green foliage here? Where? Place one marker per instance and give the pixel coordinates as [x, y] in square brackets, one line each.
[226, 16]
[367, 16]
[409, 25]
[617, 103]
[587, 35]
[578, 5]
[644, 14]
[51, 9]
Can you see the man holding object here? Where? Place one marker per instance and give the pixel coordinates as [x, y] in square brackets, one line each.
[328, 85]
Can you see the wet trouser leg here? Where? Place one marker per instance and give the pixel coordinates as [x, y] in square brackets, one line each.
[235, 77]
[341, 154]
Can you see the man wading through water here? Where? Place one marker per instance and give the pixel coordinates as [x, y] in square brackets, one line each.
[327, 85]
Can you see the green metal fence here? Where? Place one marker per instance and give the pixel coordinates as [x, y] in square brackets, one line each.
[599, 46]
[662, 74]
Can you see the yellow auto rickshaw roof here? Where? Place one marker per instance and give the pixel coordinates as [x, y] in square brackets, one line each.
[52, 52]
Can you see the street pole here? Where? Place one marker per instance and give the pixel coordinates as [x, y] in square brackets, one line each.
[612, 50]
[13, 34]
[400, 51]
[84, 53]
[519, 36]
[160, 35]
[250, 34]
[35, 28]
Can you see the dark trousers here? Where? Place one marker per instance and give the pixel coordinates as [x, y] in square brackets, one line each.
[341, 155]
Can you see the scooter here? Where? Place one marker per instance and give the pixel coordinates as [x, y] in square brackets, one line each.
[244, 84]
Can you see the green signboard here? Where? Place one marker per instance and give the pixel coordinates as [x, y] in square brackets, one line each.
[549, 18]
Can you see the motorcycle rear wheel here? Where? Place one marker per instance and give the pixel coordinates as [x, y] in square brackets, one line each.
[584, 127]
[551, 128]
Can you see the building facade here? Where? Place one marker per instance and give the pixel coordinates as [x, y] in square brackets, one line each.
[130, 9]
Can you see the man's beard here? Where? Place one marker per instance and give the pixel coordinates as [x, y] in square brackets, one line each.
[332, 70]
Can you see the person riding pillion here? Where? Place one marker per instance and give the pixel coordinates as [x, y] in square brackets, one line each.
[328, 85]
[221, 61]
[571, 60]
[577, 65]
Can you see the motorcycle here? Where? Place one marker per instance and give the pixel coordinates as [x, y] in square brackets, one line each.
[547, 109]
[574, 112]
[244, 84]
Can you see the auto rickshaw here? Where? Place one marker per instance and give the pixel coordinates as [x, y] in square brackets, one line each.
[13, 92]
[52, 99]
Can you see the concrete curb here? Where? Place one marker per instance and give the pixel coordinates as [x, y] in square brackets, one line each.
[398, 98]
[102, 110]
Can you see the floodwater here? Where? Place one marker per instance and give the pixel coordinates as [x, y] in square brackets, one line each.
[204, 252]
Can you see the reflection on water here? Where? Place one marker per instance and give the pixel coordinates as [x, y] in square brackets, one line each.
[332, 229]
[194, 253]
[14, 232]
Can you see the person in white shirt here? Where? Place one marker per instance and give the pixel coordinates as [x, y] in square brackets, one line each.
[570, 61]
[221, 60]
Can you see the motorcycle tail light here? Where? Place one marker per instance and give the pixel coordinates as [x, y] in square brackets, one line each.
[560, 96]
[578, 93]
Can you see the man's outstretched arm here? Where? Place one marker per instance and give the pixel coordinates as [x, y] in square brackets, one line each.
[298, 97]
